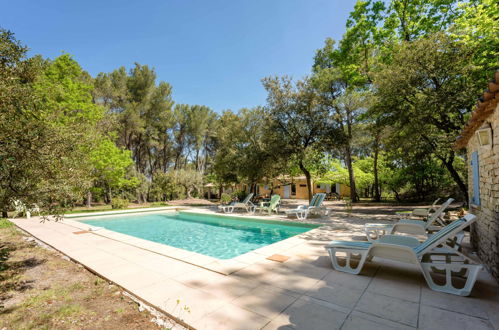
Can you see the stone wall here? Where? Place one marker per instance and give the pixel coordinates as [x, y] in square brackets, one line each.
[485, 231]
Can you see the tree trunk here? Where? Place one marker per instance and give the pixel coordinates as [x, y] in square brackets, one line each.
[109, 195]
[397, 196]
[309, 181]
[4, 214]
[457, 178]
[89, 199]
[377, 192]
[197, 160]
[348, 160]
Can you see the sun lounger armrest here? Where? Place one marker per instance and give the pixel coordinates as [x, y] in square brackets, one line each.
[399, 240]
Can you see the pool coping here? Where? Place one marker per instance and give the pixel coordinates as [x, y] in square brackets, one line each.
[104, 213]
[221, 266]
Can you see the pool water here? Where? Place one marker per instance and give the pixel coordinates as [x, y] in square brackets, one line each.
[216, 236]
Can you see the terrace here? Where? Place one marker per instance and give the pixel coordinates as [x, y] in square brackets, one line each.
[290, 284]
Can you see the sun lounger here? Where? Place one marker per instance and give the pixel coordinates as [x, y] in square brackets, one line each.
[315, 207]
[406, 226]
[435, 255]
[272, 206]
[425, 212]
[245, 204]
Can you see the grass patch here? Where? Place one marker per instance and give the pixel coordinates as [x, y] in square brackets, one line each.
[40, 290]
[4, 223]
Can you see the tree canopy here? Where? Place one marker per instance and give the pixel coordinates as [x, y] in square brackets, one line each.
[378, 112]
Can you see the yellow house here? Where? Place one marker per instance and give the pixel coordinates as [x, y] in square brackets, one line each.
[296, 188]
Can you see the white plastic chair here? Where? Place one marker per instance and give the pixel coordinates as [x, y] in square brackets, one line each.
[406, 226]
[436, 255]
[245, 204]
[315, 206]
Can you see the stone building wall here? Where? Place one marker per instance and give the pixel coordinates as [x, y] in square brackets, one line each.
[485, 231]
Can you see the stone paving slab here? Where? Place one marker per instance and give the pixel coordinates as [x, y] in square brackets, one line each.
[303, 292]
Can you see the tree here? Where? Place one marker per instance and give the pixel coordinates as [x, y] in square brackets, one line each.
[141, 112]
[246, 148]
[43, 146]
[477, 29]
[191, 180]
[299, 120]
[425, 94]
[413, 19]
[110, 167]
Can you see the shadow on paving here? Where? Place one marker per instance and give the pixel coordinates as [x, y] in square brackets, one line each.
[310, 294]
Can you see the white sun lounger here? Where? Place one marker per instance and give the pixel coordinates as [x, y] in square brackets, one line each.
[434, 255]
[425, 212]
[412, 227]
[315, 207]
[245, 204]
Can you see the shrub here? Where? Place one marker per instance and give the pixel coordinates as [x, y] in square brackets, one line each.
[119, 203]
[225, 198]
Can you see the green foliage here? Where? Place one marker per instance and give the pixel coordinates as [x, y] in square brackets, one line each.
[64, 92]
[387, 100]
[423, 97]
[301, 123]
[4, 223]
[225, 198]
[240, 195]
[164, 187]
[119, 203]
[140, 113]
[41, 159]
[190, 180]
[477, 29]
[110, 166]
[247, 150]
[176, 184]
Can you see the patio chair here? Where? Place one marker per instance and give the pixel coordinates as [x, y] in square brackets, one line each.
[407, 226]
[314, 207]
[245, 204]
[433, 255]
[272, 206]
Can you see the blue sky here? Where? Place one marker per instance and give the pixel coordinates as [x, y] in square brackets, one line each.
[212, 52]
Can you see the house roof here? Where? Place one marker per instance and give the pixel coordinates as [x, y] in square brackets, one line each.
[484, 108]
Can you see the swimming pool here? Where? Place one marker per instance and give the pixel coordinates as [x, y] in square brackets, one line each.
[220, 237]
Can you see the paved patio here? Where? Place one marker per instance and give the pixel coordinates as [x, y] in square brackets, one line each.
[302, 293]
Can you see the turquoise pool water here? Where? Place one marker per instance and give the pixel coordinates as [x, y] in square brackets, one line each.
[216, 236]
